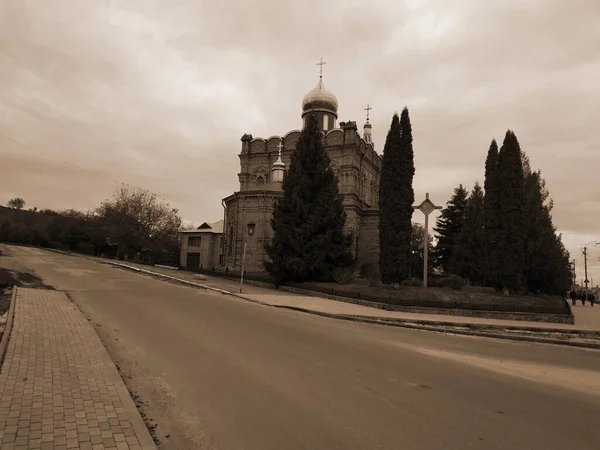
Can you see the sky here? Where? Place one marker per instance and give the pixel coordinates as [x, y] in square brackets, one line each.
[157, 94]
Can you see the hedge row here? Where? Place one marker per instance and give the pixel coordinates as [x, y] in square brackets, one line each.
[397, 299]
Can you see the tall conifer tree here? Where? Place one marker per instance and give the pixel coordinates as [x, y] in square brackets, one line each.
[491, 214]
[309, 242]
[513, 228]
[396, 198]
[448, 226]
[547, 263]
[389, 204]
[468, 257]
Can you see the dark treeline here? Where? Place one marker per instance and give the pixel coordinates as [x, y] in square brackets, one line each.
[133, 222]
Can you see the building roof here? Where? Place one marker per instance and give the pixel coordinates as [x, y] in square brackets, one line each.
[320, 96]
[214, 227]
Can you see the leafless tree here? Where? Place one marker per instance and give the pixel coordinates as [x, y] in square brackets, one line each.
[140, 220]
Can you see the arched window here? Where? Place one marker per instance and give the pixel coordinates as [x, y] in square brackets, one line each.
[325, 122]
[260, 180]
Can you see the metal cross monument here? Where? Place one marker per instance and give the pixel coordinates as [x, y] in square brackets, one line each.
[426, 207]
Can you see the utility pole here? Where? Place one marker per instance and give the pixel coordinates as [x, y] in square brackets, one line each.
[585, 272]
[585, 255]
[574, 273]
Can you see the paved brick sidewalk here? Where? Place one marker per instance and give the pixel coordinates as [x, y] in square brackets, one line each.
[59, 389]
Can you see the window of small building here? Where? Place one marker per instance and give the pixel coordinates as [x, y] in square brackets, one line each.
[194, 241]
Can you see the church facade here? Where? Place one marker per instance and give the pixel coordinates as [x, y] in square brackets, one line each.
[248, 211]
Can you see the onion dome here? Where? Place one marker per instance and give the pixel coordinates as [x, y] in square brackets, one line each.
[320, 99]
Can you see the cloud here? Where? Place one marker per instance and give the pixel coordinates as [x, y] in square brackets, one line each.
[158, 94]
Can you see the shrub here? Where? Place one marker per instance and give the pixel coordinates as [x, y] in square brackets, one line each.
[453, 282]
[369, 272]
[412, 283]
[343, 275]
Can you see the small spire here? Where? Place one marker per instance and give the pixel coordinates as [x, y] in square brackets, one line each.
[321, 64]
[278, 167]
[368, 109]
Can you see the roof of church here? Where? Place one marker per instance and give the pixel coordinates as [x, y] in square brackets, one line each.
[320, 95]
[273, 186]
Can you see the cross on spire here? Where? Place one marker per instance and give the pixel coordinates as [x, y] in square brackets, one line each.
[368, 109]
[279, 147]
[321, 64]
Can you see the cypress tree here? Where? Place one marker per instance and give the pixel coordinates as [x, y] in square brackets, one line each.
[512, 221]
[547, 263]
[468, 258]
[396, 198]
[448, 226]
[308, 242]
[491, 214]
[406, 193]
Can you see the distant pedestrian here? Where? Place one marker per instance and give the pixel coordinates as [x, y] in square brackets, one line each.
[592, 299]
[573, 296]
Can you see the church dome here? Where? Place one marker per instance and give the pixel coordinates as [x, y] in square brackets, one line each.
[320, 99]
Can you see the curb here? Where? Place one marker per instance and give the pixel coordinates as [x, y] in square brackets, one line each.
[8, 327]
[417, 324]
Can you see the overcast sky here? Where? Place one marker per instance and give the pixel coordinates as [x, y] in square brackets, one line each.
[157, 93]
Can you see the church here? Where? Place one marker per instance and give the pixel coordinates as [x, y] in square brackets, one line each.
[247, 212]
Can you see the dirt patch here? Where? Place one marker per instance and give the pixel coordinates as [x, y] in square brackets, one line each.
[26, 278]
[10, 278]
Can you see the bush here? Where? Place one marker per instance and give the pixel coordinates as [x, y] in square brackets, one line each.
[453, 282]
[369, 272]
[343, 275]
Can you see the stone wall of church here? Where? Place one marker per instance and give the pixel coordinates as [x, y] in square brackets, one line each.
[368, 240]
[243, 209]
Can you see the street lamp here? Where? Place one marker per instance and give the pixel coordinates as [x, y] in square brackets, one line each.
[585, 254]
[426, 207]
[251, 226]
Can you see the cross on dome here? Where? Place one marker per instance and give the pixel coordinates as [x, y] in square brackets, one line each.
[368, 109]
[321, 64]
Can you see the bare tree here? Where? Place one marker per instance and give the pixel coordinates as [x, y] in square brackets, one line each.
[16, 203]
[188, 226]
[140, 220]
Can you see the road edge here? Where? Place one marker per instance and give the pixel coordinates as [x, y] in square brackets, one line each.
[415, 324]
[8, 327]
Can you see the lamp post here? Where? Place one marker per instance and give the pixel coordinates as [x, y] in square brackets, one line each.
[251, 226]
[585, 255]
[426, 207]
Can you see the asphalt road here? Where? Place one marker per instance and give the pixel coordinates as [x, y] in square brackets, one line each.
[217, 372]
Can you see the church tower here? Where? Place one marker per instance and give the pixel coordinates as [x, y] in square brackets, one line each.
[367, 128]
[322, 104]
[278, 168]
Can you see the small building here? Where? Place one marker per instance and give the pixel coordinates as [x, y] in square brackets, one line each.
[201, 248]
